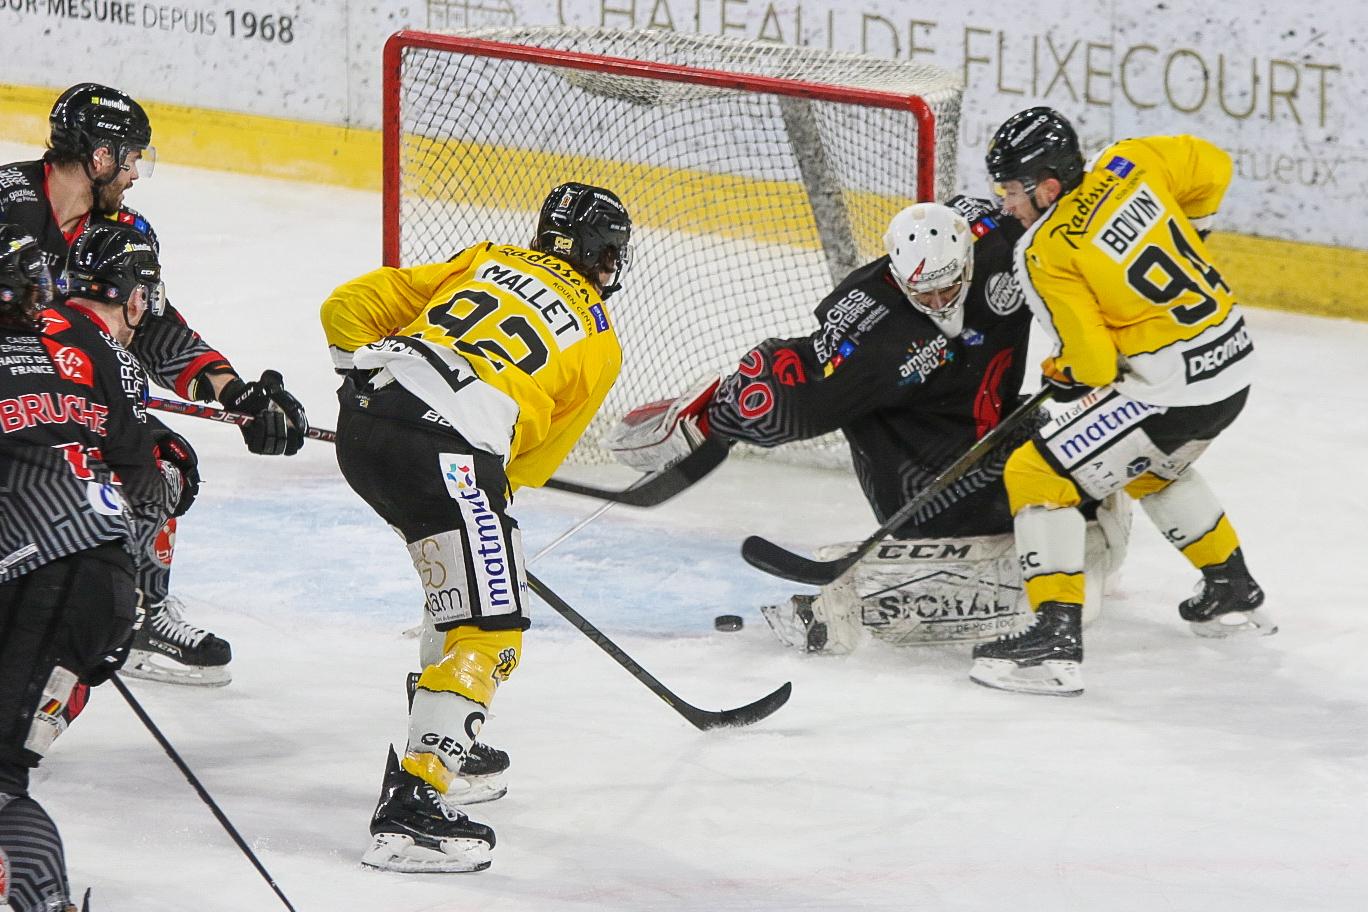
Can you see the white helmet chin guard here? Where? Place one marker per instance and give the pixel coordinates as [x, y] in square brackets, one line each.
[931, 252]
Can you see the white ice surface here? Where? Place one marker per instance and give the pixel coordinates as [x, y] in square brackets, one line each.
[1193, 775]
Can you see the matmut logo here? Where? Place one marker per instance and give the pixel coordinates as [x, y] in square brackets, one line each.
[1098, 428]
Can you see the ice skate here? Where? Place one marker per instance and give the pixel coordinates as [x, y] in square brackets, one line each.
[1045, 658]
[167, 648]
[1227, 603]
[415, 830]
[482, 777]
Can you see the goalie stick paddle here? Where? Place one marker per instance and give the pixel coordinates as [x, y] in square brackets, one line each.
[774, 559]
[651, 490]
[647, 491]
[702, 719]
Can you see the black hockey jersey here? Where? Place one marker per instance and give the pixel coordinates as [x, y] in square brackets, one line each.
[76, 459]
[173, 353]
[909, 399]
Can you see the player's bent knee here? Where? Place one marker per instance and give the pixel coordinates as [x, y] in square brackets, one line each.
[474, 662]
[1031, 481]
[1147, 484]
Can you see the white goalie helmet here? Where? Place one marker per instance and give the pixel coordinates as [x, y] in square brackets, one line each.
[931, 252]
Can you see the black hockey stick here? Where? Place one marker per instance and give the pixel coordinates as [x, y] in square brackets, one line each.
[648, 491]
[779, 561]
[702, 719]
[195, 410]
[190, 777]
[651, 490]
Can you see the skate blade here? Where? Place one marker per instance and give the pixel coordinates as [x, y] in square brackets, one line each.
[397, 852]
[150, 666]
[1054, 678]
[475, 789]
[1235, 624]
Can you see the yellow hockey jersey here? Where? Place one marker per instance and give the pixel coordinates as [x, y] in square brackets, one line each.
[1118, 277]
[513, 348]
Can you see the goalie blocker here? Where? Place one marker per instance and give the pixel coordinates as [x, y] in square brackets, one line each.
[929, 591]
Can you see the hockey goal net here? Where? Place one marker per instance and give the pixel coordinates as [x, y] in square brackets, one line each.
[756, 174]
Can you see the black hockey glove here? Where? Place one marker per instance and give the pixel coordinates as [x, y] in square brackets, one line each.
[175, 450]
[278, 420]
[1065, 390]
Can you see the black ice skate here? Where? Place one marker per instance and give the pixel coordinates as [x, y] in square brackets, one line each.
[415, 830]
[1227, 602]
[483, 776]
[167, 648]
[1045, 658]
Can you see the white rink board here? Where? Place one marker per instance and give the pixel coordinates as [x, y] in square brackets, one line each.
[1279, 86]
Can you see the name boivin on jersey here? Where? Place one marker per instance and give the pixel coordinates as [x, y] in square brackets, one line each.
[1121, 280]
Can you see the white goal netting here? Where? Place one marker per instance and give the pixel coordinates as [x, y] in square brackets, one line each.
[750, 196]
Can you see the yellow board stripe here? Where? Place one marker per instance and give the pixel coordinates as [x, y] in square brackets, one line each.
[1277, 274]
[246, 143]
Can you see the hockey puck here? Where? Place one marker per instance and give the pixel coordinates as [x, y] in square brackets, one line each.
[728, 622]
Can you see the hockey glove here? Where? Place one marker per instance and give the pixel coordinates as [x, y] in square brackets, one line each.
[1066, 388]
[278, 420]
[174, 450]
[654, 436]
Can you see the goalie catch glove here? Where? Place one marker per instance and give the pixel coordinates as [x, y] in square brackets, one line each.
[652, 437]
[278, 420]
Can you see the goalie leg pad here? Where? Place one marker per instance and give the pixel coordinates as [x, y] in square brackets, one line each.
[910, 592]
[826, 623]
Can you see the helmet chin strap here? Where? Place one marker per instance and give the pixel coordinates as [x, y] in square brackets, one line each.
[99, 183]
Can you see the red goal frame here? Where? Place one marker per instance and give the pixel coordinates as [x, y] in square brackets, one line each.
[400, 41]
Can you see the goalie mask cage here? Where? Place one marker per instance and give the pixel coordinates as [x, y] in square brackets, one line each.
[757, 176]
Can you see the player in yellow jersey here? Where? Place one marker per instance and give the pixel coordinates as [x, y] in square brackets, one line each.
[1150, 361]
[464, 381]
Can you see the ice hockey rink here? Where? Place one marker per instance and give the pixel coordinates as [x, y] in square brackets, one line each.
[1192, 775]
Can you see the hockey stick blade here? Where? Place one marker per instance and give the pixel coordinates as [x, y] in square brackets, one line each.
[660, 487]
[743, 715]
[779, 561]
[702, 719]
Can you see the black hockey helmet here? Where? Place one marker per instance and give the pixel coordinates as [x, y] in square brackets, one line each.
[1032, 144]
[109, 261]
[90, 116]
[588, 227]
[25, 284]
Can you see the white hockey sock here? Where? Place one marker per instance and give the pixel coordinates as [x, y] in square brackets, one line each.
[1051, 543]
[1185, 510]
